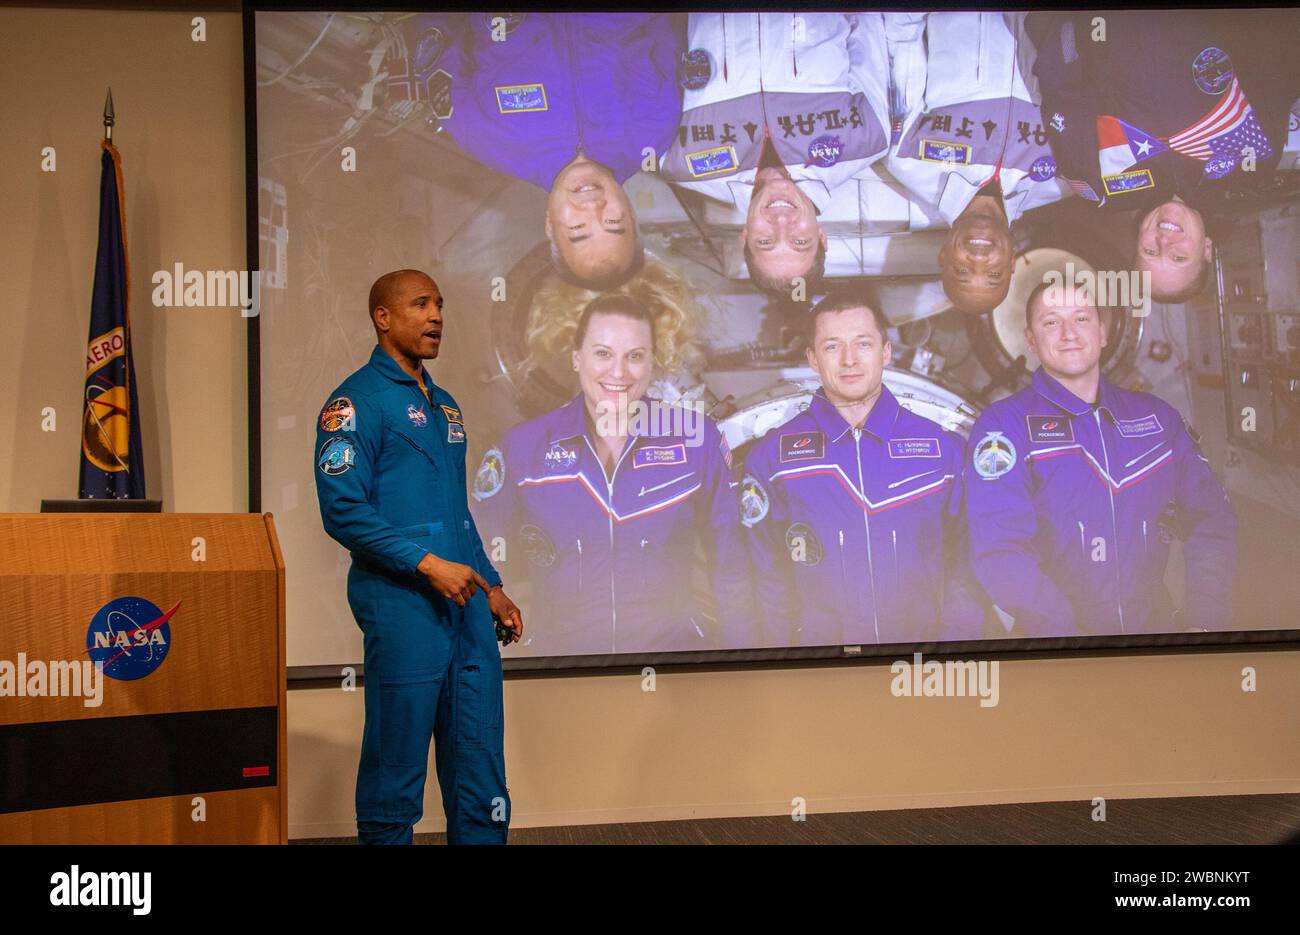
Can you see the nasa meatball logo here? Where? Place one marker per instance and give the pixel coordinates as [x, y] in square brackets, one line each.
[560, 457]
[130, 636]
[1212, 70]
[1216, 167]
[994, 456]
[825, 151]
[417, 416]
[1044, 168]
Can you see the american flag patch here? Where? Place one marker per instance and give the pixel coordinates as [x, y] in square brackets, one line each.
[1225, 131]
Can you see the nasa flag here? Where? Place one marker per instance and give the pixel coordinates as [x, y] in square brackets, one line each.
[112, 464]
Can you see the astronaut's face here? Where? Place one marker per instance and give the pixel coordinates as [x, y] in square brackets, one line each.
[614, 363]
[781, 229]
[1067, 337]
[849, 354]
[590, 221]
[977, 256]
[1172, 244]
[411, 317]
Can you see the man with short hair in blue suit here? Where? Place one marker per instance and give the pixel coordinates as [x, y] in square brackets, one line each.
[390, 477]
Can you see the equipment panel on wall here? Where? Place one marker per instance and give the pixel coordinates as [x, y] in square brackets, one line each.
[1260, 268]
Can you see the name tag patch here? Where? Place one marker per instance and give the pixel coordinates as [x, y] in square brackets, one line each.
[455, 432]
[659, 454]
[521, 98]
[711, 162]
[944, 151]
[1134, 181]
[803, 446]
[1050, 428]
[914, 447]
[1136, 428]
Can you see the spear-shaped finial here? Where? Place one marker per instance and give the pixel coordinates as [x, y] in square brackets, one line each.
[108, 116]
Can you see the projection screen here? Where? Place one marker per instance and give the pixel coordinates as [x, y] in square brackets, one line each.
[631, 218]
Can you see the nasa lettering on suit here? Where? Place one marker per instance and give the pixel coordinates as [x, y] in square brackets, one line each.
[1071, 510]
[390, 479]
[613, 559]
[855, 536]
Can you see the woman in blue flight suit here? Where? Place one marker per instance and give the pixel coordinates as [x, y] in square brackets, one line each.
[610, 501]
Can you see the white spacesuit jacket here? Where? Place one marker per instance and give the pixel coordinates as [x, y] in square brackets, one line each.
[815, 82]
[963, 87]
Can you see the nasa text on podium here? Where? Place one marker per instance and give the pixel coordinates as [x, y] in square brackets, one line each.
[142, 679]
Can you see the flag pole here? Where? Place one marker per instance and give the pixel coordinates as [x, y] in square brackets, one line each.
[108, 117]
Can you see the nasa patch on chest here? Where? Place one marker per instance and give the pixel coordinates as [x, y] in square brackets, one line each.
[914, 447]
[659, 454]
[560, 457]
[803, 446]
[1136, 428]
[1050, 428]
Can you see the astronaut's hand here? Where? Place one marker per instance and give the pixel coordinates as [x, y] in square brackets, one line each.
[452, 580]
[506, 613]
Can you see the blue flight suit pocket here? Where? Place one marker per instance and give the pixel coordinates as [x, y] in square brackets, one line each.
[408, 707]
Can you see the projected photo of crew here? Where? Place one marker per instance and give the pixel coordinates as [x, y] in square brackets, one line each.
[853, 506]
[612, 505]
[636, 215]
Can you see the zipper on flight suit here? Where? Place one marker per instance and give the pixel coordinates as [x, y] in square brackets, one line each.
[1114, 530]
[866, 523]
[576, 82]
[609, 511]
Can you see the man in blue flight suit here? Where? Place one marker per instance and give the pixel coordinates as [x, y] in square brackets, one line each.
[853, 506]
[1075, 488]
[390, 477]
[570, 102]
[1158, 111]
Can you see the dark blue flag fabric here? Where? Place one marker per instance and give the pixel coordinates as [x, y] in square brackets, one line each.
[112, 463]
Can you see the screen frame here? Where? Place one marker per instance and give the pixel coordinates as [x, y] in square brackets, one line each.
[699, 660]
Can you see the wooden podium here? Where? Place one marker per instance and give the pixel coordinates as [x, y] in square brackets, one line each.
[184, 741]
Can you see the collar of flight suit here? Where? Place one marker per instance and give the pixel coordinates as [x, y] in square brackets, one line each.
[880, 421]
[1051, 389]
[571, 422]
[958, 193]
[381, 361]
